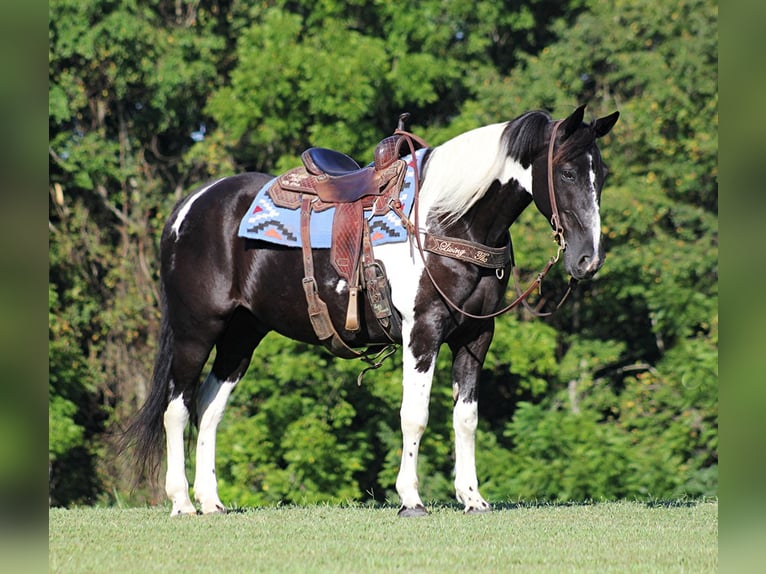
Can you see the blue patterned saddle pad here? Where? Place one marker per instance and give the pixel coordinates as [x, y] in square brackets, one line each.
[268, 222]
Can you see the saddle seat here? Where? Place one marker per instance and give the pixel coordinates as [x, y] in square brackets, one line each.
[319, 160]
[339, 178]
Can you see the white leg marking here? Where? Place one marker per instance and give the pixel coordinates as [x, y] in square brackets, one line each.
[176, 485]
[465, 417]
[404, 269]
[416, 390]
[187, 206]
[212, 401]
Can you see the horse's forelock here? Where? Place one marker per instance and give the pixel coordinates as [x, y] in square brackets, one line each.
[580, 142]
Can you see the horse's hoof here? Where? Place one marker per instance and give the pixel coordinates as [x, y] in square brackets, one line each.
[183, 507]
[185, 512]
[216, 509]
[418, 510]
[484, 509]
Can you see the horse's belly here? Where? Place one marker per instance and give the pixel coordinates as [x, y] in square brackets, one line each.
[275, 294]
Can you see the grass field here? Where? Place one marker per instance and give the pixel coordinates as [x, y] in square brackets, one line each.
[600, 537]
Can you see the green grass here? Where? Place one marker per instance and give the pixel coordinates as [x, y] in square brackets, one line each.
[600, 537]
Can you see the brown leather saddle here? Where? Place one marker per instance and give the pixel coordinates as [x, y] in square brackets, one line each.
[331, 179]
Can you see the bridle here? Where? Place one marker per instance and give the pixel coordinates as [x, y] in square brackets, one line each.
[558, 230]
[498, 258]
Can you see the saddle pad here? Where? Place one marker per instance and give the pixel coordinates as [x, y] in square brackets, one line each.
[265, 221]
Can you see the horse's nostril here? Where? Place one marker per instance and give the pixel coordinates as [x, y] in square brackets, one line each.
[588, 264]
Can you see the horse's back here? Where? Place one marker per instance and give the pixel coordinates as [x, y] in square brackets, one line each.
[220, 204]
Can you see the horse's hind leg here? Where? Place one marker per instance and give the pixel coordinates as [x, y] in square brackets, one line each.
[176, 485]
[233, 353]
[188, 359]
[466, 368]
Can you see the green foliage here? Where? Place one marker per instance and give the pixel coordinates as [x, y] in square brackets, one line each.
[338, 74]
[69, 379]
[525, 351]
[63, 432]
[283, 443]
[73, 421]
[614, 396]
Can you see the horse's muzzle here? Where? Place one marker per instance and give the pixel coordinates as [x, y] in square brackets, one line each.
[585, 266]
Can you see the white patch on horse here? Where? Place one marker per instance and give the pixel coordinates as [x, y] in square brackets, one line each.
[514, 170]
[460, 171]
[340, 288]
[595, 222]
[213, 395]
[187, 206]
[404, 269]
[176, 486]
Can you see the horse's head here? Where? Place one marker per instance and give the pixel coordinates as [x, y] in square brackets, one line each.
[577, 176]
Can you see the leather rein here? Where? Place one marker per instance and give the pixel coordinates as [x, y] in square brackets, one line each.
[488, 257]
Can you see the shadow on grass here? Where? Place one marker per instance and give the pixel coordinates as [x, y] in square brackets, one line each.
[455, 506]
[678, 503]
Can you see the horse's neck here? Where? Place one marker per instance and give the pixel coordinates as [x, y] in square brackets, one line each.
[458, 172]
[488, 220]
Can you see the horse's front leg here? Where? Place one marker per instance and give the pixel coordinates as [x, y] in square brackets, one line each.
[466, 368]
[416, 390]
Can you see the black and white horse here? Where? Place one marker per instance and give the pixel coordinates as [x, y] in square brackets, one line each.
[220, 290]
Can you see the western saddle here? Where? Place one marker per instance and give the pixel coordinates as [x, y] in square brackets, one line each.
[331, 179]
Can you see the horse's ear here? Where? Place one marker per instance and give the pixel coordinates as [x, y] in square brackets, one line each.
[602, 126]
[569, 125]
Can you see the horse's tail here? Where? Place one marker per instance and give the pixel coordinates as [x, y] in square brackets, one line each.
[146, 431]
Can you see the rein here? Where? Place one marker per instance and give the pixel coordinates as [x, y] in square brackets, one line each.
[489, 257]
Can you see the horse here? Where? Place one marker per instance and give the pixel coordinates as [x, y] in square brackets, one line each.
[222, 291]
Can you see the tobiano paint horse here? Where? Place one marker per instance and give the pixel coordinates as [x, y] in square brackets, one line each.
[226, 292]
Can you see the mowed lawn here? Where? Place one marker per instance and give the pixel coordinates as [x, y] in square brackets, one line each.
[599, 537]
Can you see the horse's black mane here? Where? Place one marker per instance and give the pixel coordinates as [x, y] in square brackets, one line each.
[526, 137]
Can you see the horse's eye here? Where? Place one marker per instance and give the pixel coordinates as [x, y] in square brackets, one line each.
[568, 175]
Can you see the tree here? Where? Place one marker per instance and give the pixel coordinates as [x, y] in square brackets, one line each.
[338, 74]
